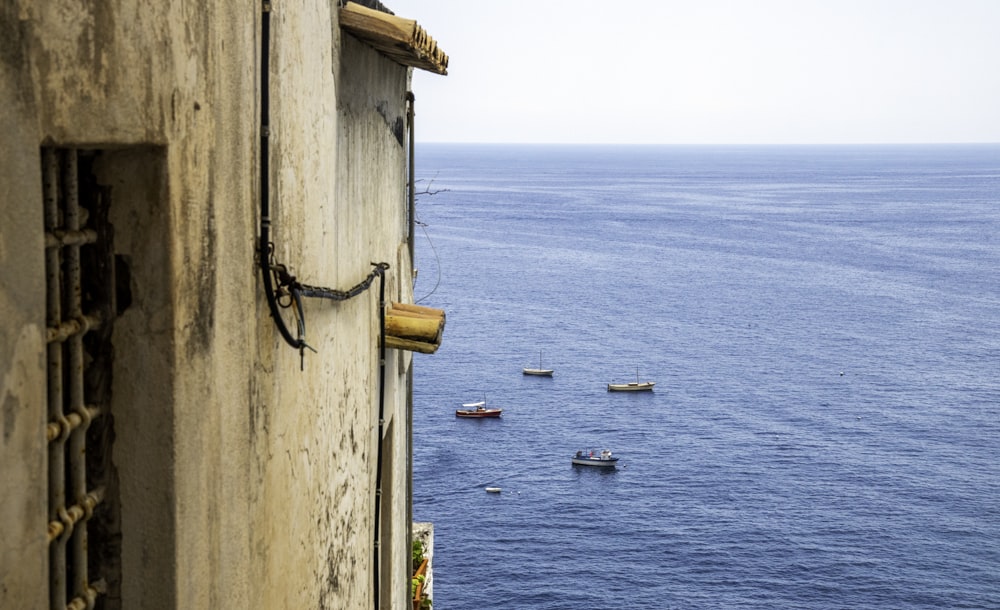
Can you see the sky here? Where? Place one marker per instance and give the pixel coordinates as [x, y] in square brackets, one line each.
[710, 71]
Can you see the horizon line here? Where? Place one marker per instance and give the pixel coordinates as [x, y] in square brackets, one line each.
[692, 144]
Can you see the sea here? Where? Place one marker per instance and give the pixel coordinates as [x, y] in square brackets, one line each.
[823, 327]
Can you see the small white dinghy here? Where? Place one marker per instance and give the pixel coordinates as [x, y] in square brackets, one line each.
[493, 490]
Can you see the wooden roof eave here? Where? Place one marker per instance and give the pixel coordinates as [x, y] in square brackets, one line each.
[399, 39]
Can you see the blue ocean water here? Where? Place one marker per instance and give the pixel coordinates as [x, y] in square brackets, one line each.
[822, 324]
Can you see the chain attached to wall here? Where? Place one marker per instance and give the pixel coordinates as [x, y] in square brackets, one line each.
[288, 285]
[281, 288]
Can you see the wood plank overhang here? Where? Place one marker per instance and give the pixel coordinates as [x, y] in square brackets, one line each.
[414, 328]
[399, 39]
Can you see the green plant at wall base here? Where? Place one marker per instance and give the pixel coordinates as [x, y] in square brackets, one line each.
[417, 553]
[415, 582]
[417, 558]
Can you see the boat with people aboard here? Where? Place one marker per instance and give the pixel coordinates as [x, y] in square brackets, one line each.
[632, 386]
[539, 372]
[477, 410]
[603, 458]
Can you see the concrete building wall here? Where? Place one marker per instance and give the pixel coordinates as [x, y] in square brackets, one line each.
[243, 480]
[23, 504]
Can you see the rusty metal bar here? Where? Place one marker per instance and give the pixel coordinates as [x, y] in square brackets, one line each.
[62, 527]
[53, 316]
[78, 435]
[70, 328]
[55, 429]
[89, 598]
[60, 237]
[70, 504]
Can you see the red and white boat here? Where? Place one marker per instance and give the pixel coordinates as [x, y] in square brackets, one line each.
[477, 410]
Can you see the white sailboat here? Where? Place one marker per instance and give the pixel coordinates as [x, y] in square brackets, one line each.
[539, 372]
[632, 386]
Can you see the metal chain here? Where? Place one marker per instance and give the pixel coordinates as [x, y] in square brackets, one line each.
[288, 285]
[288, 291]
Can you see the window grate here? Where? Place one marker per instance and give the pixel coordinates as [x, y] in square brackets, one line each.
[79, 309]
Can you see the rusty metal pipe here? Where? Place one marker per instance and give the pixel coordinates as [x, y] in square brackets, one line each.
[78, 434]
[54, 359]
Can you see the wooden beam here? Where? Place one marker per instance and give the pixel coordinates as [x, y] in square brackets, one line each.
[405, 327]
[414, 327]
[399, 39]
[411, 346]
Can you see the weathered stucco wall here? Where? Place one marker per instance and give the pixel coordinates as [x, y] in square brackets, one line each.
[243, 480]
[23, 552]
